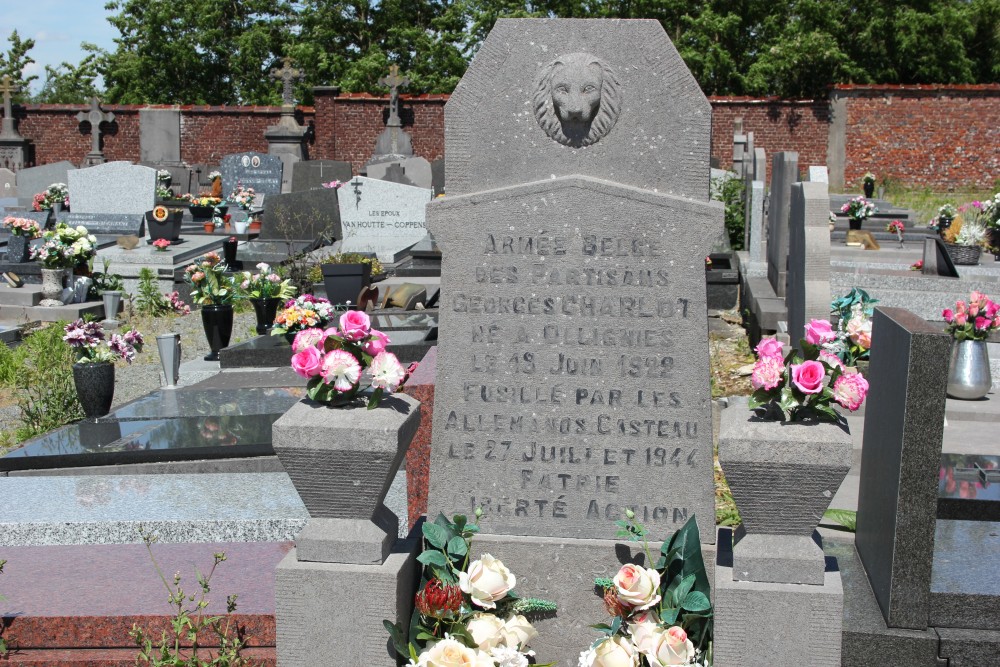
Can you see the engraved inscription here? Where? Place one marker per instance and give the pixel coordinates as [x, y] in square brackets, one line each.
[577, 99]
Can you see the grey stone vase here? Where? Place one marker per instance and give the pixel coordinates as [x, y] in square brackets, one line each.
[95, 387]
[53, 283]
[17, 249]
[783, 476]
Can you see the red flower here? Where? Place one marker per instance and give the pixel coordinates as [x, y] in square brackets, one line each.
[438, 599]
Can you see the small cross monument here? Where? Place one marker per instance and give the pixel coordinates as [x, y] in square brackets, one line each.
[394, 82]
[287, 75]
[287, 138]
[95, 117]
[7, 87]
[13, 147]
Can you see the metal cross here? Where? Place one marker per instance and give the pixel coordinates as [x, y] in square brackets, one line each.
[7, 88]
[357, 183]
[394, 82]
[287, 75]
[95, 117]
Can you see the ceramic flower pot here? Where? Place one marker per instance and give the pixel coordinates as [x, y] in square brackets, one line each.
[95, 387]
[17, 249]
[854, 223]
[218, 323]
[265, 309]
[783, 476]
[969, 375]
[209, 228]
[53, 283]
[241, 226]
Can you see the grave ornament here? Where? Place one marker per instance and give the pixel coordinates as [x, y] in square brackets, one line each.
[95, 117]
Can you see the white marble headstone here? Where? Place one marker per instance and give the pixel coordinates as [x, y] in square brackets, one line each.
[819, 174]
[381, 217]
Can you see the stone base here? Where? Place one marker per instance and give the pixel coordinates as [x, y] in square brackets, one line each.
[775, 625]
[331, 613]
[783, 559]
[349, 540]
[563, 570]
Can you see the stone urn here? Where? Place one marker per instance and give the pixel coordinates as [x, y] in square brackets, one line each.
[17, 249]
[783, 476]
[95, 387]
[53, 284]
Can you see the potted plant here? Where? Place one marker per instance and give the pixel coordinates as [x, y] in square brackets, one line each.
[969, 241]
[970, 324]
[63, 249]
[206, 207]
[164, 223]
[266, 290]
[303, 312]
[346, 274]
[109, 287]
[53, 198]
[868, 182]
[244, 198]
[163, 191]
[22, 230]
[214, 290]
[858, 210]
[941, 223]
[94, 370]
[991, 216]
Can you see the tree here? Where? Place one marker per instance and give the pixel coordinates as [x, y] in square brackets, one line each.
[12, 64]
[71, 84]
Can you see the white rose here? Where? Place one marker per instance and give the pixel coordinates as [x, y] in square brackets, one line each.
[638, 587]
[517, 632]
[487, 581]
[668, 647]
[642, 634]
[451, 653]
[614, 651]
[486, 631]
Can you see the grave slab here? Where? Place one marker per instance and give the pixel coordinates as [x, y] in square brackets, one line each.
[307, 215]
[381, 217]
[312, 174]
[33, 180]
[259, 171]
[964, 589]
[113, 187]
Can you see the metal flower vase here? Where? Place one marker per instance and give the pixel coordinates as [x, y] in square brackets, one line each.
[969, 375]
[169, 347]
[95, 387]
[112, 304]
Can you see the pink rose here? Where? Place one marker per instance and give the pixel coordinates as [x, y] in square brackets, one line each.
[961, 319]
[376, 343]
[819, 332]
[355, 324]
[767, 372]
[850, 390]
[982, 324]
[808, 376]
[991, 309]
[860, 331]
[948, 314]
[307, 338]
[770, 347]
[307, 362]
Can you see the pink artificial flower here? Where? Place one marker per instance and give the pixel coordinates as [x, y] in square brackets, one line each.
[992, 308]
[197, 276]
[341, 369]
[355, 324]
[819, 332]
[770, 347]
[860, 331]
[808, 376]
[308, 361]
[949, 315]
[387, 372]
[849, 390]
[982, 324]
[376, 343]
[961, 319]
[767, 372]
[831, 360]
[307, 338]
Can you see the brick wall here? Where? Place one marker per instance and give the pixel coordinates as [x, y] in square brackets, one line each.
[777, 125]
[931, 136]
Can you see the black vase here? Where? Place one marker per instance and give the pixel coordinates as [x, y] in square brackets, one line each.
[854, 223]
[266, 310]
[229, 253]
[95, 387]
[218, 322]
[17, 249]
[869, 190]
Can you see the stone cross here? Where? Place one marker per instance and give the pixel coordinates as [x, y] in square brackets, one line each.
[287, 75]
[95, 117]
[394, 82]
[7, 87]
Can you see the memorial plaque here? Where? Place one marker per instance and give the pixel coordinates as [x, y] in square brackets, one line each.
[113, 187]
[8, 183]
[381, 217]
[573, 324]
[251, 170]
[112, 224]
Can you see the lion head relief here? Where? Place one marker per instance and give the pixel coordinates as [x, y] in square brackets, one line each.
[577, 99]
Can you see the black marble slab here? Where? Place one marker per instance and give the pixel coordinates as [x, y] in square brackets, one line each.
[191, 402]
[275, 351]
[965, 578]
[964, 493]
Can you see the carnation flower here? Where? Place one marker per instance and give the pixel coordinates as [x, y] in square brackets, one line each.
[849, 390]
[767, 372]
[387, 372]
[341, 369]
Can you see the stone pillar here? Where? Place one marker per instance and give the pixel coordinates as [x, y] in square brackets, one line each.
[755, 222]
[287, 141]
[807, 293]
[777, 604]
[784, 172]
[348, 571]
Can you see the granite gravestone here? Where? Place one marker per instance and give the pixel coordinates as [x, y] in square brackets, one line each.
[437, 176]
[312, 174]
[8, 183]
[784, 172]
[381, 217]
[808, 295]
[757, 245]
[299, 216]
[573, 354]
[113, 187]
[251, 170]
[417, 172]
[160, 137]
[33, 180]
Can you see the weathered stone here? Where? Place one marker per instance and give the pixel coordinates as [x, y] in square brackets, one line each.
[808, 288]
[381, 217]
[784, 172]
[755, 222]
[417, 172]
[160, 137]
[312, 174]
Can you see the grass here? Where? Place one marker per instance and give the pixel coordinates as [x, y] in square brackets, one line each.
[925, 202]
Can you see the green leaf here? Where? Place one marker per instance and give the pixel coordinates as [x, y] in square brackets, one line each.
[457, 547]
[845, 518]
[669, 615]
[696, 601]
[460, 520]
[375, 398]
[435, 535]
[679, 593]
[433, 558]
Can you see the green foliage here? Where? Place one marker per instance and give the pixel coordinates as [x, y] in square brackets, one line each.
[46, 394]
[13, 62]
[149, 300]
[69, 83]
[105, 281]
[730, 191]
[188, 622]
[845, 518]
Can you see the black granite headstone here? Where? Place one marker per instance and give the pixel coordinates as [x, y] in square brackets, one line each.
[937, 261]
[251, 170]
[312, 174]
[306, 215]
[437, 177]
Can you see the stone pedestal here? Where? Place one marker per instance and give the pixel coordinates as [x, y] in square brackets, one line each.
[348, 571]
[287, 141]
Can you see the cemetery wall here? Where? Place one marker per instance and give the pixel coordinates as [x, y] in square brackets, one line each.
[933, 136]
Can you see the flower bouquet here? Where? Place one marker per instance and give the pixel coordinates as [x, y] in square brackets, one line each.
[942, 222]
[161, 245]
[91, 347]
[973, 320]
[267, 284]
[209, 283]
[858, 210]
[852, 340]
[22, 227]
[466, 613]
[57, 193]
[333, 361]
[242, 197]
[656, 610]
[65, 247]
[803, 386]
[304, 312]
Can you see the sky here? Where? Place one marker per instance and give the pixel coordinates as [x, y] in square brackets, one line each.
[58, 27]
